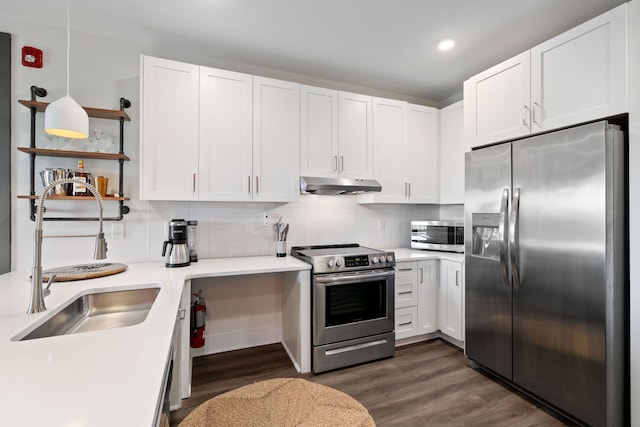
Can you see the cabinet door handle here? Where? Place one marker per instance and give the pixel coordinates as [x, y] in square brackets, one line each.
[248, 184]
[257, 184]
[404, 292]
[457, 278]
[421, 275]
[404, 323]
[538, 107]
[405, 269]
[409, 185]
[341, 163]
[335, 163]
[405, 190]
[525, 116]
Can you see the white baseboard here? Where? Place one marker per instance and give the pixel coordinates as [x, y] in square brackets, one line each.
[452, 340]
[417, 338]
[427, 337]
[290, 354]
[238, 340]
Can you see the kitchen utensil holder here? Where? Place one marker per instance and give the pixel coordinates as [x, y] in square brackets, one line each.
[281, 248]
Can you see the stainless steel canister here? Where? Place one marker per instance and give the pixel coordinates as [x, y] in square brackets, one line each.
[50, 175]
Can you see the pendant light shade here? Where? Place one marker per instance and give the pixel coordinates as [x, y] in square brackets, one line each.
[66, 118]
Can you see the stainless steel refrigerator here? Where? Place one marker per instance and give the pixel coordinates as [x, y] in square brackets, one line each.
[546, 269]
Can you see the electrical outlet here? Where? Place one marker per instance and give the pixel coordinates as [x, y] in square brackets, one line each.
[265, 222]
[117, 230]
[380, 224]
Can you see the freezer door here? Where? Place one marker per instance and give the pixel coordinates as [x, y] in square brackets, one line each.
[558, 230]
[487, 283]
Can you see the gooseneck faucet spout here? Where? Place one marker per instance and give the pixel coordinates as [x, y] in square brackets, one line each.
[36, 301]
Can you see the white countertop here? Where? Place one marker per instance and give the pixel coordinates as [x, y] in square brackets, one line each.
[404, 254]
[102, 378]
[110, 377]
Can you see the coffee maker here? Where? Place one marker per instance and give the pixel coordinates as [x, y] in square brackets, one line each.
[178, 255]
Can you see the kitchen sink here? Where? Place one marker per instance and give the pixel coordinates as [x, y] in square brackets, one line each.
[98, 311]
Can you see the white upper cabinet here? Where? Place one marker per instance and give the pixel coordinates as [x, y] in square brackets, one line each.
[575, 77]
[336, 134]
[319, 150]
[169, 130]
[405, 153]
[496, 102]
[354, 135]
[581, 74]
[389, 148]
[452, 149]
[421, 154]
[276, 140]
[216, 135]
[225, 169]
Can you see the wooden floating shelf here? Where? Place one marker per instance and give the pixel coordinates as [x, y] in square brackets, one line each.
[98, 113]
[77, 154]
[105, 198]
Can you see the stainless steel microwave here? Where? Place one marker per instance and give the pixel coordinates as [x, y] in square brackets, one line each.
[438, 235]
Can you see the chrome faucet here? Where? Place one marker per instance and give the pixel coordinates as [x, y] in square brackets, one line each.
[36, 301]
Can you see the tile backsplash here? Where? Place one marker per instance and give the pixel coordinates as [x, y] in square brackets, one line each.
[236, 229]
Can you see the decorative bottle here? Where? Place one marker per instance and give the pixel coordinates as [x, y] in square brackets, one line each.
[83, 175]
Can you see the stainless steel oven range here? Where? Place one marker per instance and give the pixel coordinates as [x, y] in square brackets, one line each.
[352, 304]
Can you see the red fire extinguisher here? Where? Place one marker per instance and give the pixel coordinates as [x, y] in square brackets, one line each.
[198, 314]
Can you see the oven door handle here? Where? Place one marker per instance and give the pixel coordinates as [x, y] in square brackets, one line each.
[350, 278]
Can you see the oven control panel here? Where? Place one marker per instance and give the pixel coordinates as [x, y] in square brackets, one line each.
[335, 263]
[356, 261]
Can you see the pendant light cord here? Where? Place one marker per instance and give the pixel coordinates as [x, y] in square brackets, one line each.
[68, 43]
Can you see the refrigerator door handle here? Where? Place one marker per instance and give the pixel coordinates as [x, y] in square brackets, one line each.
[502, 230]
[514, 246]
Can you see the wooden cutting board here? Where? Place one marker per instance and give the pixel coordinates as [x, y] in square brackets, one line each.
[83, 271]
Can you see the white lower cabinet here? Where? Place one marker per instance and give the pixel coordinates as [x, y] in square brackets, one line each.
[428, 299]
[406, 322]
[406, 285]
[416, 298]
[450, 299]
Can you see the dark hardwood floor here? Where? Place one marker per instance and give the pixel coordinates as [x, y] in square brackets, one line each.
[424, 384]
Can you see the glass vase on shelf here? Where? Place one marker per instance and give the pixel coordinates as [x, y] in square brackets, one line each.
[53, 142]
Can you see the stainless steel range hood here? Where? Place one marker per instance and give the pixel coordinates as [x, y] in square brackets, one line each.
[335, 186]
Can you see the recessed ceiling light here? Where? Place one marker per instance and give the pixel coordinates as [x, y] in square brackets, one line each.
[446, 44]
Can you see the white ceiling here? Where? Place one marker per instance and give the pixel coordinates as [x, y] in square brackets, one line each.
[389, 45]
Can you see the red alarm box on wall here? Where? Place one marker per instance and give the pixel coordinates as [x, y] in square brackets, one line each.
[31, 57]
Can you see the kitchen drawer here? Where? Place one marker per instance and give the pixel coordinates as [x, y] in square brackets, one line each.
[406, 322]
[406, 284]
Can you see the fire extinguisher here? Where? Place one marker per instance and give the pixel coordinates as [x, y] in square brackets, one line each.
[198, 314]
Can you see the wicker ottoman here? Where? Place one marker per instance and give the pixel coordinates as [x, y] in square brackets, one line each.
[281, 402]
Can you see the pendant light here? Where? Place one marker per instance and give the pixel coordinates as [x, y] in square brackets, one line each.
[65, 117]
